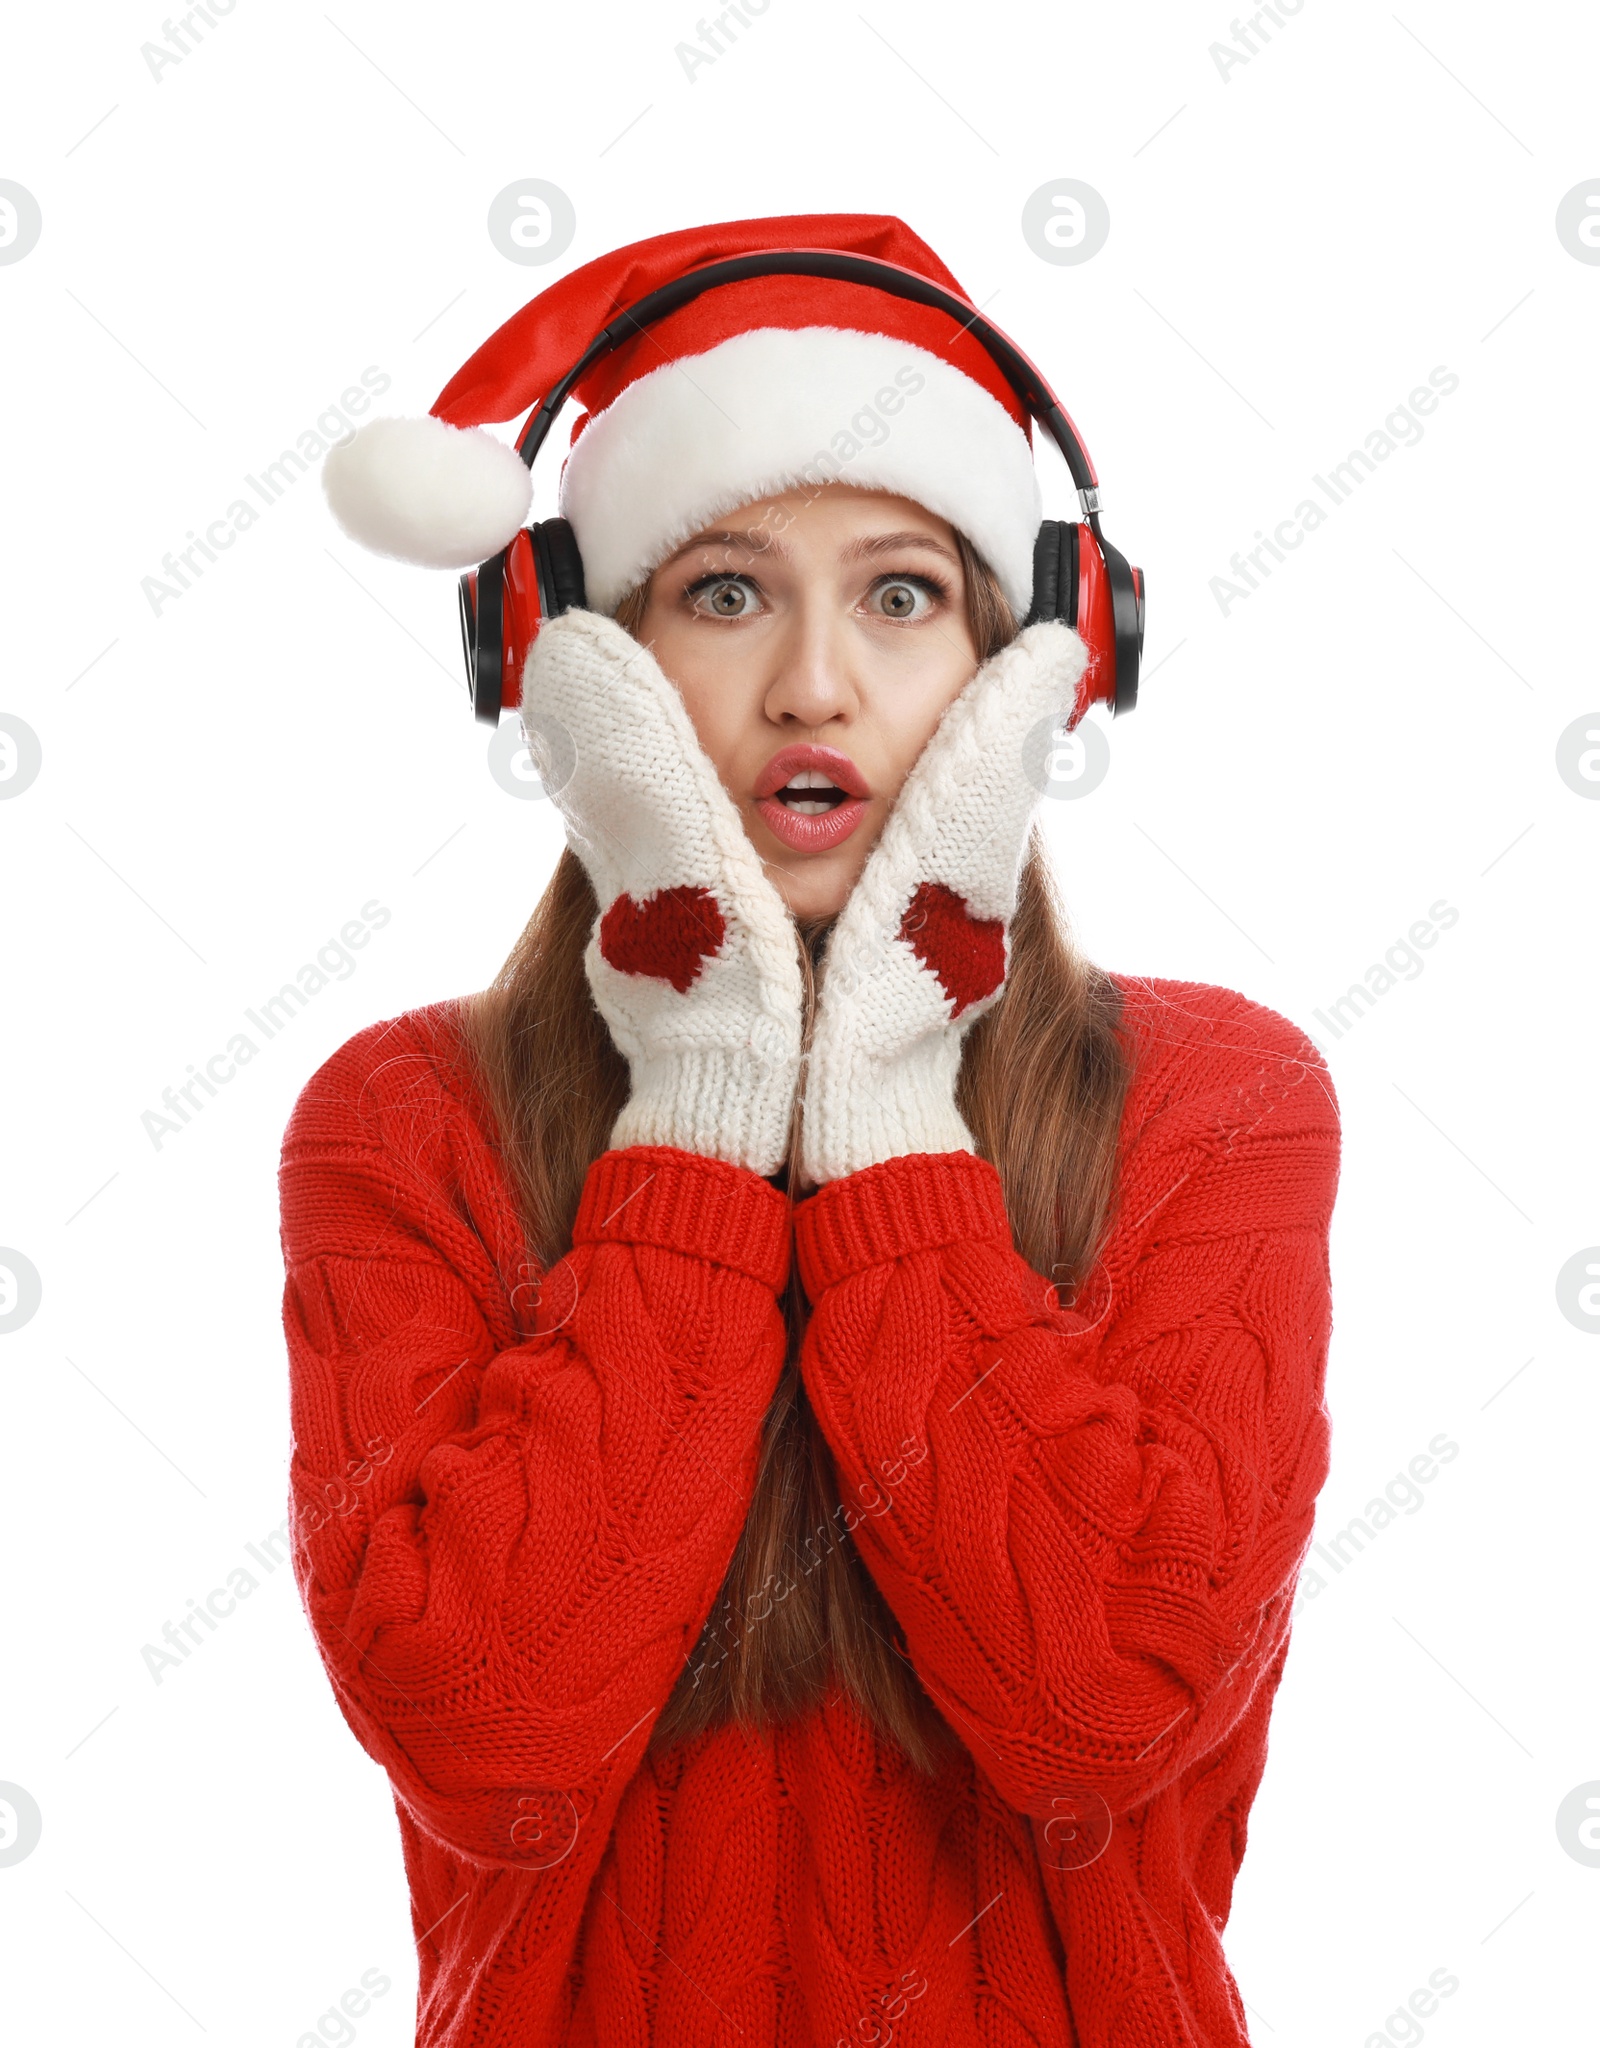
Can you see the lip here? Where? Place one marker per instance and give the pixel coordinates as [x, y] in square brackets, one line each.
[794, 760]
[815, 834]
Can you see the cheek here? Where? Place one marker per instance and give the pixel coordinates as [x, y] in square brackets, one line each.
[908, 712]
[712, 716]
[714, 694]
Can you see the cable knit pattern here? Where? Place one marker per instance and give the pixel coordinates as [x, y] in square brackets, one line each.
[693, 962]
[515, 1496]
[902, 981]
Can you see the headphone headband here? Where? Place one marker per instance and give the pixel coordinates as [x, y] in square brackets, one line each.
[894, 279]
[1091, 587]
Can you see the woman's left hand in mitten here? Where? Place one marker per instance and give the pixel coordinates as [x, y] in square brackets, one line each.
[692, 961]
[920, 950]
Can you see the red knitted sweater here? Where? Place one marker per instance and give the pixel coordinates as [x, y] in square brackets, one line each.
[514, 1506]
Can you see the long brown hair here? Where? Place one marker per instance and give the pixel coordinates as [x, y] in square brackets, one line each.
[1041, 1086]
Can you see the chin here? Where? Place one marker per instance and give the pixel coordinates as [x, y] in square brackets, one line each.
[812, 896]
[812, 885]
[818, 887]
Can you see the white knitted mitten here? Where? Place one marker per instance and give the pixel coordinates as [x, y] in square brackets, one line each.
[693, 960]
[920, 949]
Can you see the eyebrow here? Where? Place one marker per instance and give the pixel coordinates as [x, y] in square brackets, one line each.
[751, 543]
[865, 549]
[891, 543]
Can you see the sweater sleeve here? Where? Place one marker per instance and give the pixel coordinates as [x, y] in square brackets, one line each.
[507, 1543]
[1088, 1525]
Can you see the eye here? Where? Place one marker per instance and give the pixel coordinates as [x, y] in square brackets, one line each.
[906, 597]
[724, 597]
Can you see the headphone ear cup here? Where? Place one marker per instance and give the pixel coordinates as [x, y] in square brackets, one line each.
[555, 550]
[467, 607]
[538, 577]
[522, 611]
[1095, 623]
[1055, 573]
[1125, 594]
[1110, 621]
[499, 616]
[1081, 579]
[481, 595]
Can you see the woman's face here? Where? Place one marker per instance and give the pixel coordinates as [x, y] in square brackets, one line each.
[819, 636]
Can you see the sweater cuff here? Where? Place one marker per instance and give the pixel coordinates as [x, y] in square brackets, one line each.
[911, 1203]
[686, 1202]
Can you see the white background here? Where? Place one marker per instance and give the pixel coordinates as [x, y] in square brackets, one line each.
[225, 784]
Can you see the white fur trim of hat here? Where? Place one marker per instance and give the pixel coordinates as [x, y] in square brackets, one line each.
[442, 497]
[778, 409]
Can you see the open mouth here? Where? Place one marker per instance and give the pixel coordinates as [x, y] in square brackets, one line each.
[811, 798]
[810, 794]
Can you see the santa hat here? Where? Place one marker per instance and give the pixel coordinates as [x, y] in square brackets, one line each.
[765, 385]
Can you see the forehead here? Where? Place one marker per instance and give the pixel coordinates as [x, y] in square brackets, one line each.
[832, 520]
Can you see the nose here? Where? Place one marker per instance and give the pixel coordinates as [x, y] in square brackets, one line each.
[811, 682]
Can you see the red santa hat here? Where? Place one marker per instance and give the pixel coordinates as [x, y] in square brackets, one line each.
[756, 387]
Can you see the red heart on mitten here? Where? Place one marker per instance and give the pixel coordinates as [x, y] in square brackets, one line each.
[667, 936]
[967, 953]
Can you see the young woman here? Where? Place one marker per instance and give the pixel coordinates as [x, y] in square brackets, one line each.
[807, 1394]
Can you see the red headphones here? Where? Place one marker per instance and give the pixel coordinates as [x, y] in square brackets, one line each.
[1078, 576]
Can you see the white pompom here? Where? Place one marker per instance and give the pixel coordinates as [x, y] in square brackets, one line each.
[443, 497]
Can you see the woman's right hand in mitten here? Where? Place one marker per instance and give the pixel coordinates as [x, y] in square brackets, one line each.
[693, 962]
